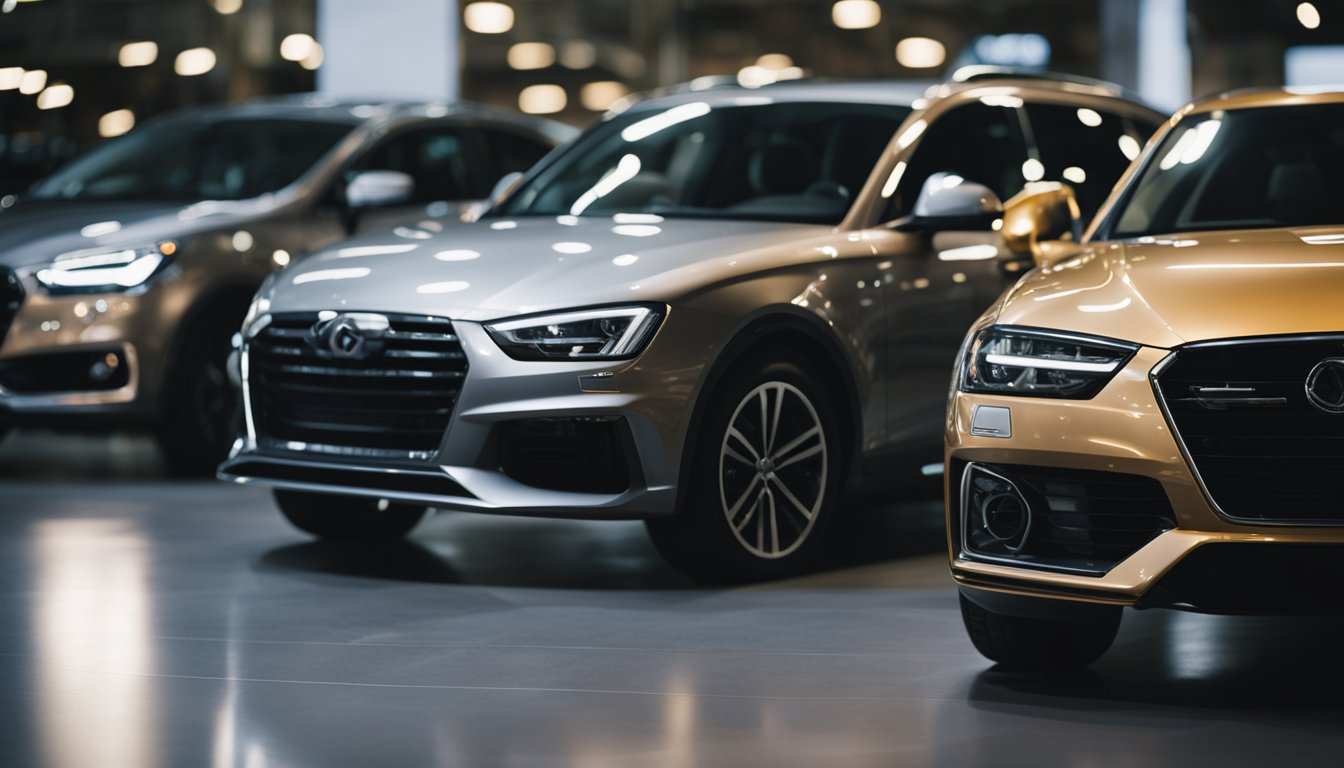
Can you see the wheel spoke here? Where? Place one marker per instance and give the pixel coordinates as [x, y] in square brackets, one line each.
[765, 421]
[760, 523]
[741, 438]
[774, 422]
[793, 500]
[732, 511]
[774, 521]
[731, 452]
[797, 457]
[780, 455]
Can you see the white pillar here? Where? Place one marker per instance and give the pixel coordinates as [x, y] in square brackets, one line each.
[401, 49]
[1163, 53]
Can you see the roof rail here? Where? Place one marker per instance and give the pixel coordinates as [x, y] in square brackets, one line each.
[981, 72]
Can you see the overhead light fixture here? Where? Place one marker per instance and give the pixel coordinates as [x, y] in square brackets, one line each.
[315, 57]
[194, 61]
[33, 81]
[1308, 16]
[55, 97]
[920, 53]
[856, 14]
[531, 55]
[600, 95]
[10, 77]
[542, 99]
[116, 123]
[140, 54]
[296, 47]
[774, 61]
[578, 54]
[227, 7]
[488, 18]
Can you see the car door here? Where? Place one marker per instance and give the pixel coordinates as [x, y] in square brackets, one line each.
[438, 158]
[943, 283]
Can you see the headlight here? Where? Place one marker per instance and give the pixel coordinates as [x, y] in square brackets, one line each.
[1004, 360]
[106, 271]
[594, 334]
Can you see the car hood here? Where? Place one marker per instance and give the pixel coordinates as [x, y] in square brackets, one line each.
[32, 234]
[1165, 291]
[496, 268]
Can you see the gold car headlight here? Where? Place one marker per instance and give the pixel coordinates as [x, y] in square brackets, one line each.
[1006, 360]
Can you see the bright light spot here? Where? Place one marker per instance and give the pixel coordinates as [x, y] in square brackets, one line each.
[637, 230]
[138, 54]
[920, 53]
[959, 277]
[571, 248]
[459, 254]
[1308, 16]
[501, 225]
[242, 241]
[531, 55]
[651, 125]
[856, 14]
[360, 251]
[194, 61]
[542, 99]
[774, 61]
[323, 275]
[98, 229]
[625, 260]
[893, 180]
[488, 18]
[1075, 174]
[578, 54]
[570, 220]
[1032, 170]
[115, 123]
[969, 253]
[1130, 146]
[1191, 146]
[790, 73]
[55, 97]
[755, 76]
[909, 135]
[637, 218]
[10, 77]
[33, 81]
[227, 7]
[296, 47]
[280, 257]
[626, 169]
[315, 58]
[1011, 102]
[451, 286]
[599, 96]
[1089, 117]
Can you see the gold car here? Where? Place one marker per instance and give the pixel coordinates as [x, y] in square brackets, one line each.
[1154, 416]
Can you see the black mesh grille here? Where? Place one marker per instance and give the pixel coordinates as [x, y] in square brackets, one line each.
[11, 299]
[399, 399]
[1263, 451]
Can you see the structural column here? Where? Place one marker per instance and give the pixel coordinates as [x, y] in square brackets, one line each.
[402, 49]
[1144, 47]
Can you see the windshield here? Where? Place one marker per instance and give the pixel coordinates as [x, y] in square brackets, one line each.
[800, 162]
[196, 160]
[1242, 169]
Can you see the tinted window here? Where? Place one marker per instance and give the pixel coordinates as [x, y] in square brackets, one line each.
[1085, 148]
[434, 157]
[1250, 168]
[221, 160]
[780, 161]
[976, 142]
[510, 152]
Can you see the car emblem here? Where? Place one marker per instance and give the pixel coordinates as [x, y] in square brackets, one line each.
[345, 337]
[1325, 386]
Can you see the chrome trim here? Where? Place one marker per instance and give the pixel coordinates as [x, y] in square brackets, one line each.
[1156, 372]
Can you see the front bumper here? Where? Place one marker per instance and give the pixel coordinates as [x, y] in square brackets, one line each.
[647, 400]
[1123, 430]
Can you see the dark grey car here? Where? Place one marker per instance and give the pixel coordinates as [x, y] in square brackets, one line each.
[124, 275]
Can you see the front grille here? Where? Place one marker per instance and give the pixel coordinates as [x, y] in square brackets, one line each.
[1082, 521]
[396, 402]
[1263, 452]
[11, 299]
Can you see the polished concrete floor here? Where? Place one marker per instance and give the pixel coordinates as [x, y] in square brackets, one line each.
[149, 623]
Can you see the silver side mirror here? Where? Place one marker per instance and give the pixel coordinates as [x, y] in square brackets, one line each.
[374, 189]
[949, 196]
[504, 187]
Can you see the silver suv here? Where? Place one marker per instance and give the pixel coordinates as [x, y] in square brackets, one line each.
[709, 312]
[124, 274]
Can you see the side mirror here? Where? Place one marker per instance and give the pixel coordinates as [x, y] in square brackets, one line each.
[504, 187]
[374, 189]
[949, 202]
[1043, 212]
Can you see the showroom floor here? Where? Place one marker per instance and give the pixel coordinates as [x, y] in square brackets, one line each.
[155, 623]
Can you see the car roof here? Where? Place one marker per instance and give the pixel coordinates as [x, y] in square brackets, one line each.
[1267, 97]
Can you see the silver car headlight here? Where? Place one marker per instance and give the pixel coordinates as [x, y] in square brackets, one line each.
[1004, 360]
[612, 333]
[106, 271]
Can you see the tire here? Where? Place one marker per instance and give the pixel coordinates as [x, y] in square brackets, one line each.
[204, 411]
[1038, 645]
[348, 518]
[757, 505]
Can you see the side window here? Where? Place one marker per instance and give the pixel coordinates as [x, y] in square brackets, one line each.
[434, 157]
[511, 152]
[1086, 148]
[977, 142]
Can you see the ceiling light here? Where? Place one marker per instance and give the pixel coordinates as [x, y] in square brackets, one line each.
[296, 47]
[599, 96]
[542, 99]
[10, 77]
[920, 52]
[1308, 16]
[138, 54]
[227, 7]
[774, 61]
[55, 97]
[314, 58]
[578, 54]
[531, 55]
[856, 14]
[33, 81]
[194, 61]
[116, 123]
[488, 18]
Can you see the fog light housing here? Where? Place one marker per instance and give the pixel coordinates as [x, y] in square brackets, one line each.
[995, 516]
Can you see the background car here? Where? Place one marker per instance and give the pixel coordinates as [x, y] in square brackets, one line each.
[710, 312]
[1152, 419]
[125, 273]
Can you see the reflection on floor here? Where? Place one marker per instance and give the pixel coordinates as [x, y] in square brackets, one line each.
[159, 623]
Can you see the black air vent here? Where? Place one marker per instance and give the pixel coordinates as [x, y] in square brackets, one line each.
[11, 299]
